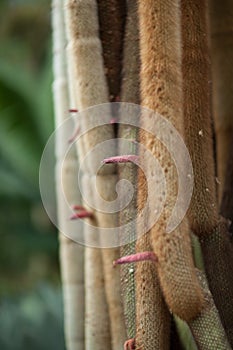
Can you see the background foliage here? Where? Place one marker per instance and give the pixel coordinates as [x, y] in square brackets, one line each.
[30, 293]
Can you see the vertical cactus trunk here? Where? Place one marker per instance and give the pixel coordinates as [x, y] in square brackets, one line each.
[104, 311]
[226, 206]
[196, 73]
[130, 92]
[111, 22]
[217, 252]
[71, 254]
[221, 25]
[207, 328]
[130, 87]
[152, 315]
[106, 187]
[90, 87]
[203, 214]
[161, 90]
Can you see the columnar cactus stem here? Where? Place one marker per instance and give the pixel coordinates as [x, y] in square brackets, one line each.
[226, 206]
[130, 92]
[207, 328]
[71, 253]
[82, 35]
[221, 25]
[203, 214]
[161, 90]
[91, 87]
[106, 185]
[111, 15]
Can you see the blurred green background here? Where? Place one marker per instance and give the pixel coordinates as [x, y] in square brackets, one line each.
[30, 291]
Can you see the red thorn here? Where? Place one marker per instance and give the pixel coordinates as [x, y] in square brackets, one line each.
[121, 159]
[135, 258]
[75, 134]
[113, 121]
[73, 110]
[78, 207]
[81, 215]
[129, 344]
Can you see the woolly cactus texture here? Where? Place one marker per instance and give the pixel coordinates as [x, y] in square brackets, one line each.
[221, 26]
[196, 75]
[205, 223]
[106, 185]
[161, 90]
[111, 23]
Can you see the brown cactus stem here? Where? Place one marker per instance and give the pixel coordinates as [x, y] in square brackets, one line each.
[203, 214]
[221, 27]
[217, 252]
[208, 320]
[105, 185]
[161, 91]
[130, 92]
[226, 207]
[196, 75]
[111, 23]
[152, 315]
[130, 86]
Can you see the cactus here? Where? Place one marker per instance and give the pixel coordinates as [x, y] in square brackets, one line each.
[221, 24]
[161, 90]
[204, 220]
[153, 53]
[71, 253]
[81, 23]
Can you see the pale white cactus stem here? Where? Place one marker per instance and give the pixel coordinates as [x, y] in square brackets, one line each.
[71, 253]
[104, 324]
